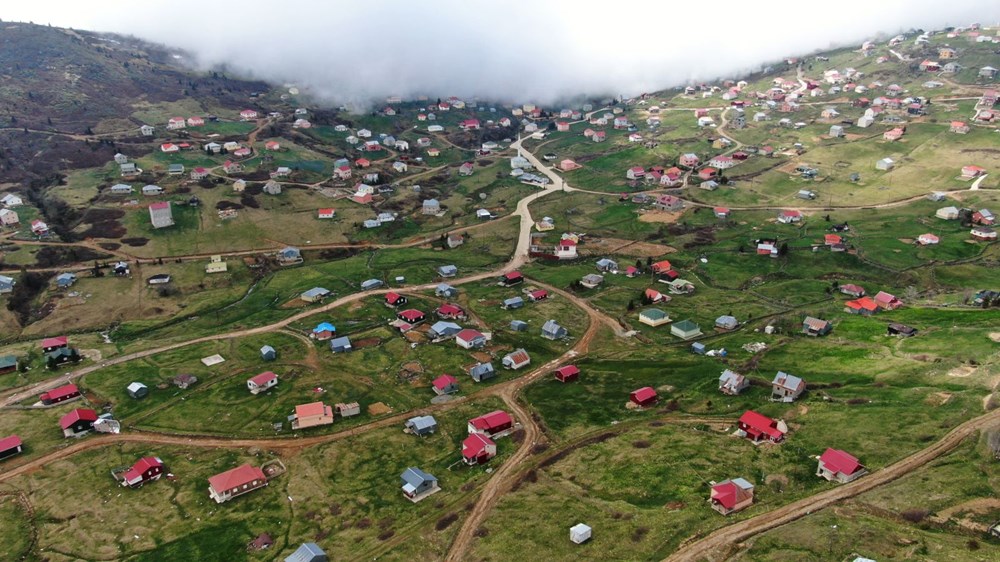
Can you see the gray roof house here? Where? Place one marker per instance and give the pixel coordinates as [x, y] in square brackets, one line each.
[445, 290]
[308, 552]
[431, 207]
[519, 325]
[137, 390]
[726, 322]
[417, 484]
[422, 425]
[290, 255]
[447, 271]
[340, 345]
[551, 330]
[444, 330]
[371, 284]
[732, 383]
[512, 303]
[482, 371]
[6, 284]
[605, 264]
[64, 280]
[267, 353]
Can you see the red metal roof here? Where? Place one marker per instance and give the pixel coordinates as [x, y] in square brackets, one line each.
[513, 276]
[568, 370]
[475, 444]
[761, 424]
[469, 334]
[538, 294]
[79, 414]
[643, 394]
[10, 442]
[62, 391]
[160, 205]
[836, 460]
[411, 315]
[444, 380]
[864, 303]
[725, 494]
[492, 420]
[449, 309]
[567, 242]
[55, 342]
[235, 478]
[263, 378]
[661, 266]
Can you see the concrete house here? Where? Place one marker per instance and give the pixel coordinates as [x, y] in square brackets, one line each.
[311, 415]
[733, 495]
[654, 317]
[6, 284]
[732, 383]
[268, 353]
[431, 207]
[160, 214]
[885, 164]
[470, 339]
[445, 384]
[759, 428]
[9, 218]
[786, 388]
[137, 390]
[340, 345]
[947, 213]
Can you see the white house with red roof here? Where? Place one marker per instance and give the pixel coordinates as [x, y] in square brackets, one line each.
[272, 145]
[326, 213]
[969, 172]
[562, 126]
[886, 301]
[721, 212]
[450, 311]
[195, 121]
[689, 160]
[478, 449]
[516, 359]
[722, 162]
[146, 469]
[470, 339]
[566, 249]
[235, 482]
[470, 124]
[599, 136]
[262, 382]
[160, 214]
[635, 172]
[839, 466]
[733, 495]
[494, 424]
[248, 115]
[10, 446]
[175, 123]
[928, 239]
[199, 173]
[789, 217]
[169, 147]
[959, 127]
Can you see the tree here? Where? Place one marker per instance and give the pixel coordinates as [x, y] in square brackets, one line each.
[50, 363]
[783, 249]
[631, 305]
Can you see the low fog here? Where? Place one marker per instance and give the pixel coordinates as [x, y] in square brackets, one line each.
[539, 51]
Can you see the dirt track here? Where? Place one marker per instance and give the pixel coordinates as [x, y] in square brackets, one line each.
[719, 544]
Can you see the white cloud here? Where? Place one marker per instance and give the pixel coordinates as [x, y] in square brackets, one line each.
[506, 49]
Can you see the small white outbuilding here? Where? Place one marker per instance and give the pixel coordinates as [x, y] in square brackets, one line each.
[579, 533]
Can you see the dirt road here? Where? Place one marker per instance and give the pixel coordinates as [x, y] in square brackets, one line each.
[719, 544]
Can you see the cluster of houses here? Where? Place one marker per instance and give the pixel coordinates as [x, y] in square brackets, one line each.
[982, 220]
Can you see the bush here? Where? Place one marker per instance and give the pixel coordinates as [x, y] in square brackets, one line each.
[915, 515]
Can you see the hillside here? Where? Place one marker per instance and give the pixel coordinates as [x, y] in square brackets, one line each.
[60, 80]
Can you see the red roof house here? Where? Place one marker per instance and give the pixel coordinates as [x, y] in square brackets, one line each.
[78, 422]
[10, 446]
[707, 173]
[512, 278]
[731, 495]
[262, 382]
[491, 424]
[853, 290]
[569, 373]
[445, 384]
[450, 311]
[52, 344]
[864, 306]
[411, 315]
[146, 469]
[837, 465]
[478, 449]
[759, 427]
[538, 295]
[393, 299]
[362, 162]
[886, 301]
[644, 396]
[60, 394]
[661, 266]
[831, 239]
[235, 482]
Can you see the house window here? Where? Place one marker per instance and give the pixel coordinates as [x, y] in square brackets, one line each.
[245, 486]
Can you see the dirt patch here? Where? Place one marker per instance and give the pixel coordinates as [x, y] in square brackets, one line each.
[367, 342]
[906, 240]
[979, 505]
[482, 357]
[995, 336]
[413, 367]
[938, 398]
[662, 217]
[135, 242]
[379, 409]
[962, 371]
[92, 354]
[294, 303]
[628, 248]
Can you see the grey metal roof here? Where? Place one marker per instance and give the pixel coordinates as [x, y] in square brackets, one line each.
[308, 552]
